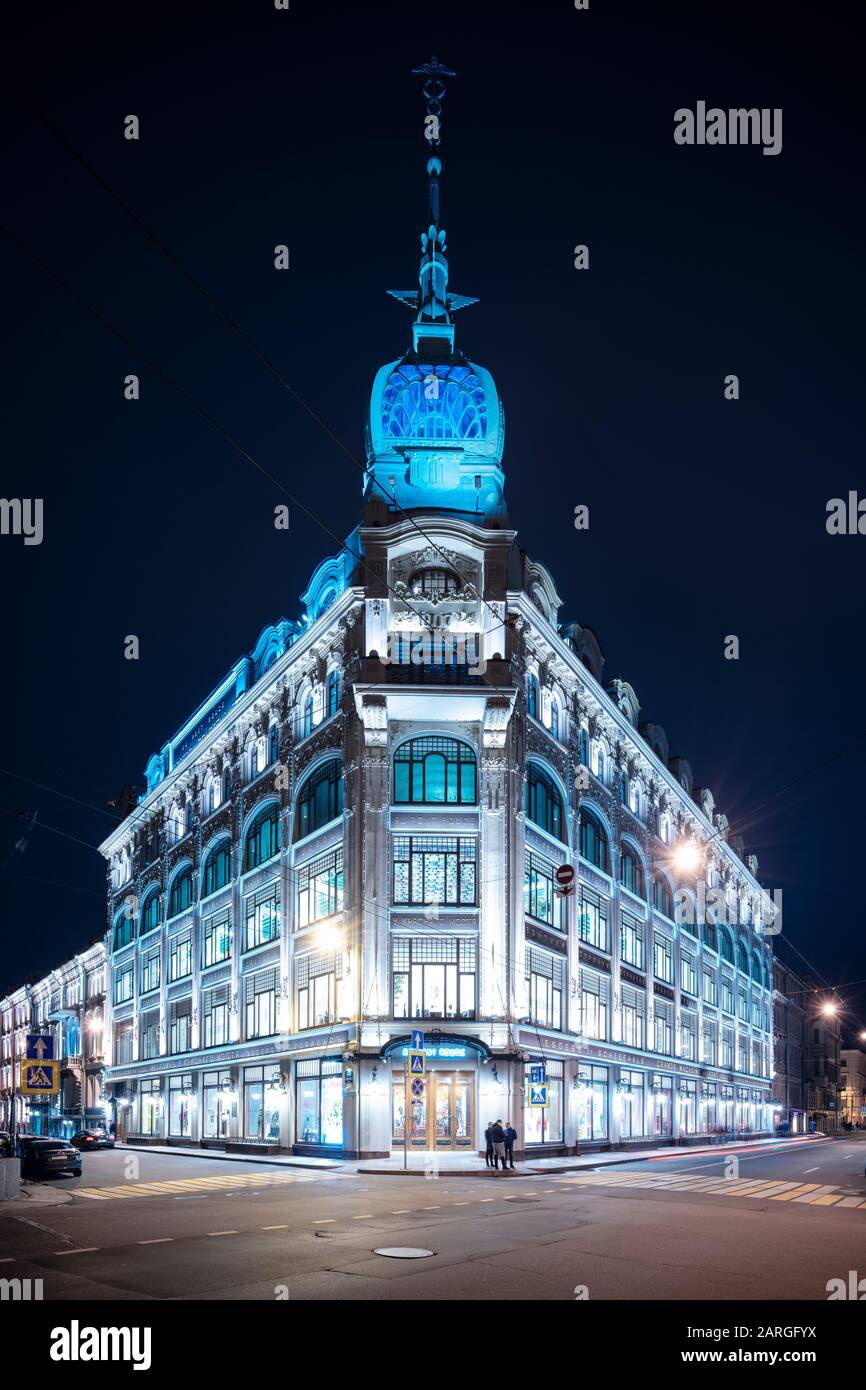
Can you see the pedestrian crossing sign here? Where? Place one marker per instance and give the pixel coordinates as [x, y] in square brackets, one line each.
[537, 1095]
[40, 1079]
[417, 1064]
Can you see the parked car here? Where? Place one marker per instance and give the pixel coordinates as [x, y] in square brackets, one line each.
[92, 1139]
[42, 1157]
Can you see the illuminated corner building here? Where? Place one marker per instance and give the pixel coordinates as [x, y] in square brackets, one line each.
[359, 832]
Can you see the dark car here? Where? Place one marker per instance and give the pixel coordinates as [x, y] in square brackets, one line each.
[42, 1157]
[92, 1139]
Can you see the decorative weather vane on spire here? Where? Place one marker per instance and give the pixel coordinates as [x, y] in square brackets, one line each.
[432, 301]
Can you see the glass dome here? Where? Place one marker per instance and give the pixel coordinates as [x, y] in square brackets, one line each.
[434, 404]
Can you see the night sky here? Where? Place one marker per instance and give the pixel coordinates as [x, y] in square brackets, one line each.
[707, 516]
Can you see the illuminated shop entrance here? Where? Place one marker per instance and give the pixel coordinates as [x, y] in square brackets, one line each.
[444, 1118]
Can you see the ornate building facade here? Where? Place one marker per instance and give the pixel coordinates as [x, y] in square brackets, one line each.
[69, 1005]
[422, 806]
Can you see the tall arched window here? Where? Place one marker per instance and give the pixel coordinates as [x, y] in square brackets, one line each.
[273, 743]
[742, 958]
[217, 868]
[584, 748]
[593, 840]
[227, 784]
[554, 718]
[433, 770]
[631, 871]
[532, 696]
[124, 930]
[544, 805]
[263, 837]
[320, 799]
[307, 722]
[757, 970]
[151, 914]
[333, 693]
[180, 897]
[662, 899]
[726, 948]
[623, 788]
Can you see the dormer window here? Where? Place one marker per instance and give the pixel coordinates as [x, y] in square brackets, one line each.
[434, 584]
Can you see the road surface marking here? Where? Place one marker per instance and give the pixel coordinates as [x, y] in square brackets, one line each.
[812, 1170]
[487, 1199]
[819, 1192]
[827, 1200]
[797, 1192]
[401, 1211]
[325, 1221]
[284, 1227]
[850, 1202]
[7, 1261]
[220, 1233]
[80, 1250]
[367, 1216]
[158, 1240]
[462, 1204]
[430, 1208]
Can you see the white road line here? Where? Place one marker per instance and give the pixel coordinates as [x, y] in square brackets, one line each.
[158, 1240]
[461, 1204]
[221, 1233]
[325, 1221]
[487, 1199]
[368, 1216]
[430, 1208]
[80, 1250]
[8, 1261]
[284, 1227]
[402, 1211]
[812, 1170]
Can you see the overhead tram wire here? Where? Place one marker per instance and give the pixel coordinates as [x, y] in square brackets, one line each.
[200, 410]
[235, 327]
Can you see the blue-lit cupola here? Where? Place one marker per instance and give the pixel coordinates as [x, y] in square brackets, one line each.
[435, 432]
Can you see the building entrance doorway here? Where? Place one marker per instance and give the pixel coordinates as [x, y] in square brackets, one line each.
[443, 1118]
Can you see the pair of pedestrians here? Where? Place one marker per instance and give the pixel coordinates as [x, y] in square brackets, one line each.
[499, 1143]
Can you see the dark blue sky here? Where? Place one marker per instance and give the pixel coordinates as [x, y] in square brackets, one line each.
[707, 517]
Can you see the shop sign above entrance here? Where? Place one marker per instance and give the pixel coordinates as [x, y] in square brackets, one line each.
[449, 1052]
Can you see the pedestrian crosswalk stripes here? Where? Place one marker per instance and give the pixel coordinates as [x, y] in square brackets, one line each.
[776, 1190]
[186, 1186]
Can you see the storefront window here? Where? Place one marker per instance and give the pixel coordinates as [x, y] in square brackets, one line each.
[592, 1084]
[542, 1124]
[320, 1101]
[709, 1115]
[631, 1096]
[218, 1097]
[262, 1104]
[661, 1107]
[180, 1104]
[688, 1107]
[150, 1107]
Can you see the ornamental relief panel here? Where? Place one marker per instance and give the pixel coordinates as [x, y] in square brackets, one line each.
[329, 739]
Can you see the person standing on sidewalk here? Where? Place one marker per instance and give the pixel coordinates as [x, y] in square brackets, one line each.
[510, 1136]
[497, 1134]
[488, 1140]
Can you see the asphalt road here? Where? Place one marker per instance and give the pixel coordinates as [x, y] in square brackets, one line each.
[190, 1228]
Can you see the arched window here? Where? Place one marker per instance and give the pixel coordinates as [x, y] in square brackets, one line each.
[263, 837]
[532, 696]
[727, 950]
[174, 826]
[554, 718]
[662, 898]
[181, 893]
[710, 936]
[320, 799]
[593, 840]
[433, 770]
[434, 583]
[333, 693]
[631, 871]
[151, 915]
[544, 804]
[307, 721]
[217, 868]
[227, 784]
[584, 748]
[273, 743]
[757, 970]
[742, 958]
[124, 930]
[623, 788]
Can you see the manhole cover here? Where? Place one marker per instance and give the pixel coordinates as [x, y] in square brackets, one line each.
[404, 1252]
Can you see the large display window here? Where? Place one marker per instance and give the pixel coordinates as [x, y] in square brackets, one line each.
[542, 1124]
[592, 1103]
[319, 1092]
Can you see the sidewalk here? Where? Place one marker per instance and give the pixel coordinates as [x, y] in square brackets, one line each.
[471, 1165]
[278, 1160]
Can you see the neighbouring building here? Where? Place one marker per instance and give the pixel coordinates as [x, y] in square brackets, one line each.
[421, 805]
[68, 1004]
[789, 1049]
[852, 1075]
